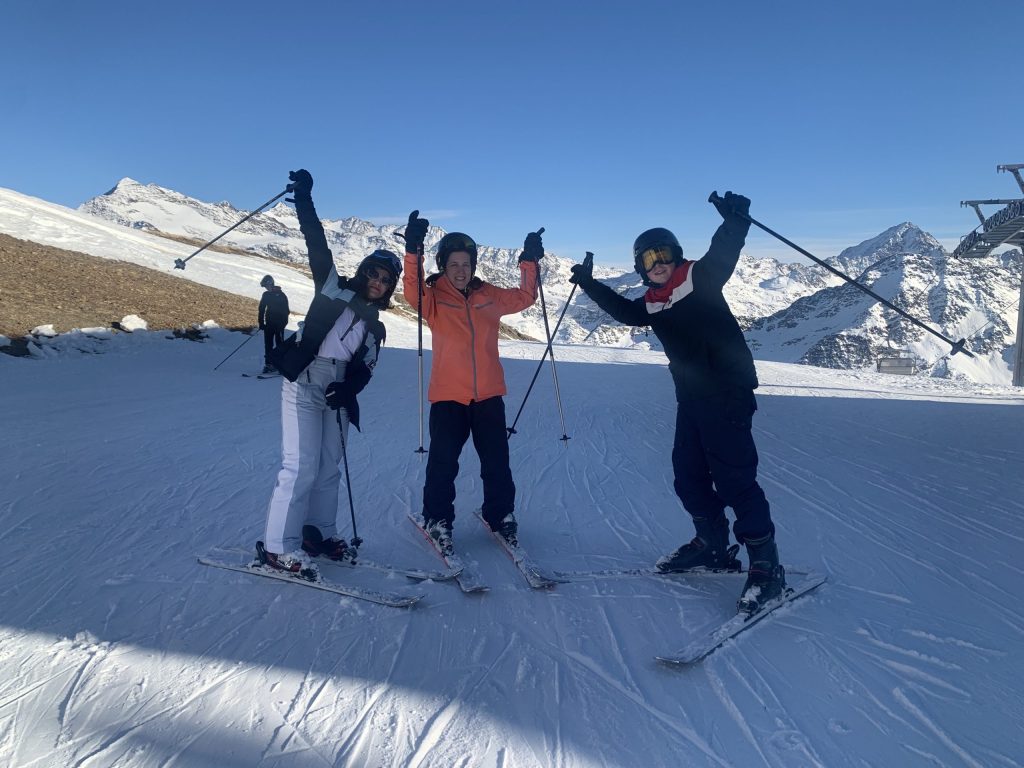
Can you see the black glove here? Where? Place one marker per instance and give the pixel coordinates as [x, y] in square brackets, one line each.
[732, 206]
[302, 182]
[582, 273]
[338, 395]
[533, 248]
[415, 231]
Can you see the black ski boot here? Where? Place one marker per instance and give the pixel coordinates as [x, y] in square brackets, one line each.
[766, 579]
[508, 529]
[709, 549]
[441, 532]
[314, 543]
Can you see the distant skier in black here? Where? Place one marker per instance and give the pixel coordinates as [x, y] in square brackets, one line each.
[325, 365]
[273, 319]
[714, 458]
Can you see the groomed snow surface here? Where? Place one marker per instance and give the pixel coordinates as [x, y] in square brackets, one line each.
[117, 649]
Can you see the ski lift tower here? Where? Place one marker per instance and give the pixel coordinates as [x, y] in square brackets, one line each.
[1004, 227]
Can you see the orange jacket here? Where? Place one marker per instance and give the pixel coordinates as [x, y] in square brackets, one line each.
[464, 365]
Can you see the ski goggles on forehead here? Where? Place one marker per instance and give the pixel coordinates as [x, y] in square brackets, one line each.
[459, 243]
[382, 276]
[660, 255]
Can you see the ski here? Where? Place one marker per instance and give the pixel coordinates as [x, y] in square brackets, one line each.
[261, 375]
[467, 578]
[716, 638]
[416, 574]
[535, 576]
[392, 599]
[626, 572]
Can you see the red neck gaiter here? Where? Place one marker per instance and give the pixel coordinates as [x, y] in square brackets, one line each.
[659, 294]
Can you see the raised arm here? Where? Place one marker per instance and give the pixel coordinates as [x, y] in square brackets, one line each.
[413, 274]
[512, 300]
[718, 264]
[626, 311]
[321, 262]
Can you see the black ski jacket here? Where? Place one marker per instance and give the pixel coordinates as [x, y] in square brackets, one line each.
[333, 295]
[707, 353]
[274, 308]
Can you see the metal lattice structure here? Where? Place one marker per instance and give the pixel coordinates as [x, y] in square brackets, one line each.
[1005, 227]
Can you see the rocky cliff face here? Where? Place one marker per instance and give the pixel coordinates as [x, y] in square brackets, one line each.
[842, 327]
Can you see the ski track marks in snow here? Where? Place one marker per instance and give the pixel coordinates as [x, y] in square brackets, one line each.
[904, 658]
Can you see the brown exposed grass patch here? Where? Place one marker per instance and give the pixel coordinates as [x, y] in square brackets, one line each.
[41, 285]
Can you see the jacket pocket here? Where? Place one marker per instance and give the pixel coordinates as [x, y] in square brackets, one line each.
[739, 408]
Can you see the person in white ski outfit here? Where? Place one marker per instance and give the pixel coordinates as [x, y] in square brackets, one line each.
[325, 365]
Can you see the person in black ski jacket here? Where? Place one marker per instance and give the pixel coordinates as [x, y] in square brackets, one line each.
[714, 459]
[273, 318]
[325, 365]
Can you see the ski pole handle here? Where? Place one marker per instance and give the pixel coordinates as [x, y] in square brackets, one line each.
[716, 199]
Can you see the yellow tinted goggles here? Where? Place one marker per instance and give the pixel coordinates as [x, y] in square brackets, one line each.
[660, 255]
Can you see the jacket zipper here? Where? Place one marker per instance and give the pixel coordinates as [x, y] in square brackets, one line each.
[472, 346]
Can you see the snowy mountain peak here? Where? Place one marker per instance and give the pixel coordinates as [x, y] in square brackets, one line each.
[902, 238]
[761, 286]
[123, 185]
[793, 312]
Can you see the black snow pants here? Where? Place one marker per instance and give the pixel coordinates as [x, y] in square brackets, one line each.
[273, 337]
[714, 460]
[451, 424]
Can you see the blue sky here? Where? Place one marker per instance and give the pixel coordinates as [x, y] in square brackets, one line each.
[594, 120]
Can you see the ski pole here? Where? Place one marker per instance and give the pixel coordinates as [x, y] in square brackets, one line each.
[958, 346]
[180, 263]
[419, 328]
[355, 541]
[588, 260]
[218, 365]
[549, 349]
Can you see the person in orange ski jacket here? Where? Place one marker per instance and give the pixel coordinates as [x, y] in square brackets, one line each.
[467, 381]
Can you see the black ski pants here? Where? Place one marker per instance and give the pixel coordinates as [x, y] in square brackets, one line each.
[273, 337]
[451, 424]
[714, 460]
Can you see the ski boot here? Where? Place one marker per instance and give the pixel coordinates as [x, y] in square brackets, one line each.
[766, 579]
[297, 562]
[508, 529]
[314, 543]
[708, 549]
[441, 532]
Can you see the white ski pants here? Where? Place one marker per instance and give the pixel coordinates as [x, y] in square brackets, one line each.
[306, 492]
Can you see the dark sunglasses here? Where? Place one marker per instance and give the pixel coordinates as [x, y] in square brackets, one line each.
[382, 276]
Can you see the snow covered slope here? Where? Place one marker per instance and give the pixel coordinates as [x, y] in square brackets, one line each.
[118, 649]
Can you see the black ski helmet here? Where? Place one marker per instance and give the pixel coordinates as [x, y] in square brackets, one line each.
[452, 242]
[654, 238]
[267, 282]
[388, 261]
